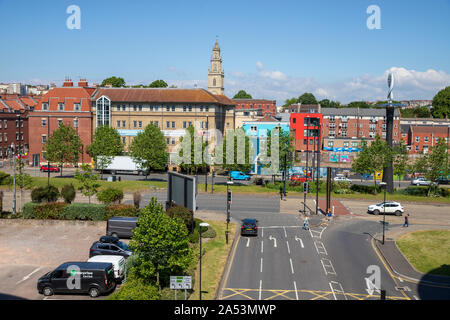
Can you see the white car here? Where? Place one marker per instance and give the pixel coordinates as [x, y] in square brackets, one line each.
[341, 179]
[118, 263]
[390, 207]
[421, 182]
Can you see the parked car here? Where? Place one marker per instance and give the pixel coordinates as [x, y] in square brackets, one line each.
[118, 263]
[114, 240]
[46, 168]
[121, 227]
[100, 248]
[300, 177]
[249, 227]
[421, 181]
[95, 279]
[239, 175]
[341, 179]
[442, 181]
[390, 207]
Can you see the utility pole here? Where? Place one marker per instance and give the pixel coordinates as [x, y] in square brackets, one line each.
[48, 161]
[318, 168]
[14, 178]
[228, 208]
[206, 171]
[306, 166]
[284, 182]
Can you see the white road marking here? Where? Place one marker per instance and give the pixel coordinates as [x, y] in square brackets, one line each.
[400, 279]
[328, 267]
[332, 290]
[260, 288]
[285, 234]
[292, 268]
[415, 297]
[248, 242]
[262, 246]
[298, 239]
[320, 248]
[29, 275]
[262, 232]
[339, 290]
[296, 293]
[260, 269]
[274, 241]
[279, 227]
[289, 251]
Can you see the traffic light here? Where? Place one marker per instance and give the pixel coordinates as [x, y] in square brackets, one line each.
[229, 197]
[305, 187]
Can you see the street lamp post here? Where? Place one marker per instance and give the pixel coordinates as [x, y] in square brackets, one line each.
[307, 155]
[384, 185]
[14, 177]
[228, 210]
[203, 224]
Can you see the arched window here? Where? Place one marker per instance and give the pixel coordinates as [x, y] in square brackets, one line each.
[103, 105]
[214, 82]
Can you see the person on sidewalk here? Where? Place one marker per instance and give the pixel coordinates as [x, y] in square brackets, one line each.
[406, 224]
[306, 224]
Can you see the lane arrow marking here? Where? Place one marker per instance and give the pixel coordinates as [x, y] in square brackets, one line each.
[274, 241]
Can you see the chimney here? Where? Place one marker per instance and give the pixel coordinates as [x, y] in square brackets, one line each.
[83, 83]
[68, 83]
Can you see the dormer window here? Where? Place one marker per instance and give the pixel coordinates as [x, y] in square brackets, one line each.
[45, 106]
[60, 106]
[76, 107]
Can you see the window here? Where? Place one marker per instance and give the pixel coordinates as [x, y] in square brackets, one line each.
[344, 118]
[354, 144]
[43, 122]
[59, 122]
[76, 107]
[426, 139]
[123, 139]
[332, 118]
[75, 123]
[124, 123]
[331, 133]
[207, 109]
[417, 148]
[21, 123]
[17, 136]
[184, 108]
[124, 107]
[345, 143]
[156, 123]
[44, 138]
[167, 108]
[168, 124]
[103, 105]
[173, 124]
[228, 124]
[344, 133]
[0, 124]
[332, 125]
[173, 141]
[135, 124]
[140, 108]
[44, 106]
[118, 123]
[417, 139]
[173, 108]
[190, 108]
[294, 120]
[140, 124]
[184, 124]
[5, 122]
[167, 140]
[253, 128]
[17, 123]
[330, 143]
[60, 106]
[134, 108]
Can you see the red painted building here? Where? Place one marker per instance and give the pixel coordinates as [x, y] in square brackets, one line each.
[268, 107]
[307, 127]
[67, 104]
[422, 138]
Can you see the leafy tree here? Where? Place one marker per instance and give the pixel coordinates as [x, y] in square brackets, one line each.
[63, 146]
[422, 112]
[373, 158]
[23, 180]
[307, 98]
[158, 84]
[400, 160]
[235, 166]
[358, 104]
[242, 95]
[325, 103]
[148, 149]
[435, 163]
[161, 244]
[289, 102]
[88, 181]
[116, 82]
[189, 143]
[441, 104]
[105, 145]
[286, 147]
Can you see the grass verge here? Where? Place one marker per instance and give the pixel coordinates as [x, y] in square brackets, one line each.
[428, 251]
[213, 261]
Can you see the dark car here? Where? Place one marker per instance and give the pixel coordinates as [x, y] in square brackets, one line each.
[121, 227]
[94, 278]
[47, 168]
[101, 248]
[114, 240]
[249, 227]
[442, 181]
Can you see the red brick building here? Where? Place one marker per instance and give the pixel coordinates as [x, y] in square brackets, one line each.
[422, 138]
[67, 104]
[268, 107]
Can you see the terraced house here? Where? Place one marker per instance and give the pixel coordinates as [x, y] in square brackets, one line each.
[130, 110]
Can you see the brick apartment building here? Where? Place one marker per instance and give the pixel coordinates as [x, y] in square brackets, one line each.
[67, 104]
[306, 127]
[265, 107]
[422, 138]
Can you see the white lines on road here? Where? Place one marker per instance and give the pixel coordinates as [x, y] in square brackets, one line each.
[328, 267]
[260, 288]
[285, 234]
[278, 227]
[292, 267]
[260, 268]
[300, 240]
[320, 247]
[262, 246]
[29, 275]
[416, 297]
[295, 287]
[248, 242]
[289, 250]
[336, 288]
[274, 241]
[262, 231]
[317, 234]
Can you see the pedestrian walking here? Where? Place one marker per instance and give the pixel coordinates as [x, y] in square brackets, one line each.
[406, 224]
[306, 224]
[281, 192]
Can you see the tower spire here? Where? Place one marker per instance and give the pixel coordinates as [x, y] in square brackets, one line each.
[215, 73]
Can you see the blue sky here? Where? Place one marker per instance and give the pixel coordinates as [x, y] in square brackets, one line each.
[272, 49]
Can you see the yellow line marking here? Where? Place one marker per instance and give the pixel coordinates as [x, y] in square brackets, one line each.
[281, 293]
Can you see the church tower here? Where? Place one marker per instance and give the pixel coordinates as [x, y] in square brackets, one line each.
[216, 74]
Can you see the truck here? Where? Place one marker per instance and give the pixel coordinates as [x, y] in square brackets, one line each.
[122, 164]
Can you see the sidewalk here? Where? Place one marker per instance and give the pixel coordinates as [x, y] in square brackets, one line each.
[399, 264]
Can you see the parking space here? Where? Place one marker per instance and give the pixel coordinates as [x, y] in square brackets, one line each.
[29, 250]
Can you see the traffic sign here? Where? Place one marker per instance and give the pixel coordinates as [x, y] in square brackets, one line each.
[180, 282]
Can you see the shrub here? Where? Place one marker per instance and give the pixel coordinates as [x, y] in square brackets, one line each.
[68, 193]
[136, 289]
[416, 191]
[258, 181]
[121, 210]
[194, 236]
[84, 211]
[209, 233]
[182, 213]
[365, 189]
[5, 178]
[295, 183]
[48, 193]
[28, 210]
[137, 199]
[110, 195]
[1, 201]
[49, 210]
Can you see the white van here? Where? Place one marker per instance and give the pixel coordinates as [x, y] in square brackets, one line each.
[118, 263]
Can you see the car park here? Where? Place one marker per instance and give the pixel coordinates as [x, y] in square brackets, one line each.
[99, 248]
[118, 263]
[421, 181]
[46, 168]
[121, 227]
[78, 277]
[249, 227]
[386, 207]
[114, 240]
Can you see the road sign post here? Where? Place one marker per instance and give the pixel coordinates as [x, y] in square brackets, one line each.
[180, 283]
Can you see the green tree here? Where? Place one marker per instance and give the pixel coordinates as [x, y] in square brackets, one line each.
[441, 104]
[148, 149]
[325, 103]
[23, 180]
[289, 102]
[105, 145]
[63, 146]
[286, 147]
[242, 95]
[358, 104]
[189, 142]
[161, 244]
[400, 160]
[116, 82]
[307, 98]
[88, 181]
[158, 84]
[422, 112]
[234, 157]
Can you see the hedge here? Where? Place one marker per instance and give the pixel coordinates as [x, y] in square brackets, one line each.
[365, 189]
[121, 210]
[84, 211]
